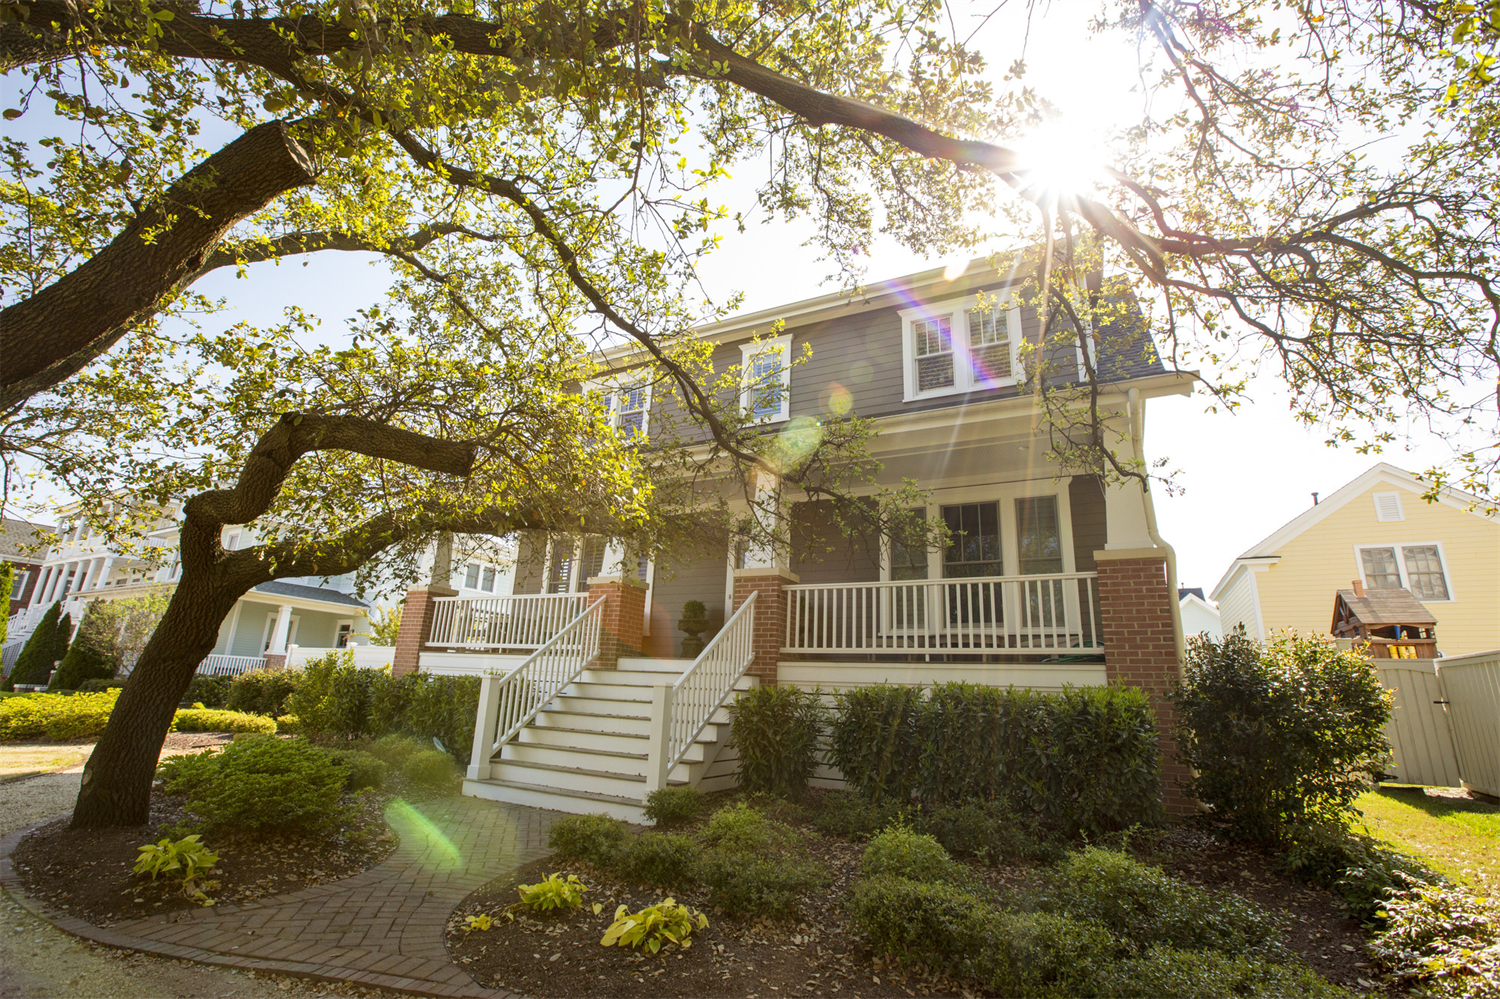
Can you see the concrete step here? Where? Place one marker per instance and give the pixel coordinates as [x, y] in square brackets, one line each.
[557, 799]
[621, 759]
[575, 778]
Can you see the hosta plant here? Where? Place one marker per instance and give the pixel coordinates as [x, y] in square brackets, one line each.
[553, 893]
[666, 921]
[184, 859]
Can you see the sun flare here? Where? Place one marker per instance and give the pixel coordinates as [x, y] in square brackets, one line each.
[1061, 159]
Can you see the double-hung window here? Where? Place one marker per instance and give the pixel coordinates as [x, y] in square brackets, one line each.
[766, 378]
[960, 345]
[630, 407]
[1417, 567]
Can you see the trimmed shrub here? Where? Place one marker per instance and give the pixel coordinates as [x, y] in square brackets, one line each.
[916, 921]
[1083, 760]
[288, 725]
[210, 720]
[262, 691]
[738, 828]
[777, 731]
[365, 769]
[1038, 954]
[95, 686]
[55, 716]
[1146, 906]
[432, 770]
[94, 654]
[1176, 974]
[209, 691]
[852, 817]
[901, 853]
[1282, 734]
[597, 839]
[664, 860]
[990, 832]
[748, 885]
[443, 708]
[332, 701]
[395, 750]
[283, 785]
[674, 806]
[46, 645]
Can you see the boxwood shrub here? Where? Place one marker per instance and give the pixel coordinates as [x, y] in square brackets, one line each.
[905, 854]
[55, 716]
[209, 720]
[597, 839]
[278, 785]
[1086, 759]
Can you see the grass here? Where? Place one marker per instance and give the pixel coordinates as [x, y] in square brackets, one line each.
[1457, 837]
[18, 761]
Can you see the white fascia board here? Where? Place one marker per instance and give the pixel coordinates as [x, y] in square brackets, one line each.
[1239, 566]
[275, 600]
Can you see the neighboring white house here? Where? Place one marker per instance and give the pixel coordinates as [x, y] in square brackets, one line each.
[81, 568]
[1199, 617]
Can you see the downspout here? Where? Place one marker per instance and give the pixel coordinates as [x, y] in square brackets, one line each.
[1137, 431]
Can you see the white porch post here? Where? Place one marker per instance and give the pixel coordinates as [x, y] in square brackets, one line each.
[766, 510]
[657, 770]
[485, 720]
[278, 633]
[44, 581]
[614, 560]
[442, 560]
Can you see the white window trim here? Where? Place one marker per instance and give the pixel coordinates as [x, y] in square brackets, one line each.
[1359, 565]
[1400, 509]
[611, 388]
[348, 635]
[956, 312]
[1006, 495]
[755, 349]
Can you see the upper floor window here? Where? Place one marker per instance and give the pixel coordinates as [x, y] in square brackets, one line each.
[959, 346]
[630, 409]
[1418, 568]
[766, 378]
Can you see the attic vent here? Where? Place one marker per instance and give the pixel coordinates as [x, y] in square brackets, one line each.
[1388, 507]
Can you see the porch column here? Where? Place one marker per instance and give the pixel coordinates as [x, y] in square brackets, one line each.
[276, 651]
[416, 625]
[774, 551]
[770, 615]
[1140, 648]
[624, 618]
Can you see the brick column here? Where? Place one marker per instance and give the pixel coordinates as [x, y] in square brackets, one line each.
[624, 617]
[1140, 648]
[275, 660]
[416, 626]
[770, 615]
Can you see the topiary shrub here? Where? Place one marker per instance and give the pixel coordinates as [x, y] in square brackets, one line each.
[674, 806]
[282, 785]
[262, 691]
[1146, 906]
[597, 839]
[432, 770]
[1175, 974]
[664, 860]
[1279, 735]
[1086, 760]
[901, 853]
[777, 732]
[748, 885]
[365, 769]
[210, 720]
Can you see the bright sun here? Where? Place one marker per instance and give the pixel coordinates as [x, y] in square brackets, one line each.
[1061, 159]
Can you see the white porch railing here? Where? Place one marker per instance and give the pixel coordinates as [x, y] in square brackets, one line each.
[23, 622]
[9, 654]
[525, 621]
[508, 702]
[680, 713]
[1020, 615]
[229, 665]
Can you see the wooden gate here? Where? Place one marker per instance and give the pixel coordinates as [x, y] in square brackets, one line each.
[1471, 685]
[1421, 742]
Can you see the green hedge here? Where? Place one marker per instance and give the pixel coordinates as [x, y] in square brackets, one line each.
[1086, 759]
[55, 716]
[212, 720]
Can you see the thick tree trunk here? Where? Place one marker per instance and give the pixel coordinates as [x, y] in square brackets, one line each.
[60, 329]
[117, 779]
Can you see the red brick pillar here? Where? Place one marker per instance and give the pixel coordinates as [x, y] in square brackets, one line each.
[416, 626]
[624, 618]
[274, 660]
[1140, 648]
[770, 615]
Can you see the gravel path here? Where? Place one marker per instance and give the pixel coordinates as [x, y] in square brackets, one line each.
[38, 960]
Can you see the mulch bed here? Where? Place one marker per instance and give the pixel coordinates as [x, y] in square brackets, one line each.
[87, 872]
[558, 954]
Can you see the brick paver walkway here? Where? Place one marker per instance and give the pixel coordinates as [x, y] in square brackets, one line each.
[382, 927]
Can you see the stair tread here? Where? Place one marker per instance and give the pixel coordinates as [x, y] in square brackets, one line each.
[567, 792]
[620, 754]
[592, 714]
[702, 737]
[559, 768]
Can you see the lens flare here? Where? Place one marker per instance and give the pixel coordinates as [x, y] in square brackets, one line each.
[413, 826]
[840, 401]
[1062, 159]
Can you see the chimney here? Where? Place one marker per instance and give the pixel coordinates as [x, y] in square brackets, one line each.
[1359, 588]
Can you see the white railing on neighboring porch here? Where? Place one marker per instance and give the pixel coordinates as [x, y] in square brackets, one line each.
[681, 712]
[526, 621]
[1021, 615]
[507, 703]
[229, 665]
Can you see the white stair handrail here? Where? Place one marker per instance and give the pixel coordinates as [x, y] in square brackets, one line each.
[508, 703]
[691, 702]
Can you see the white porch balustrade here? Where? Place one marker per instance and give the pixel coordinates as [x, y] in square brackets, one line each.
[229, 665]
[506, 622]
[1041, 615]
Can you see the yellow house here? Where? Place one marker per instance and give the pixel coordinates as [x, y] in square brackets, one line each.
[1380, 531]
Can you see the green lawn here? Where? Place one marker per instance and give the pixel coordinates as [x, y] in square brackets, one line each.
[1456, 837]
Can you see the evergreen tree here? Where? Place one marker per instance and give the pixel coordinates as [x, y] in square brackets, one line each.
[7, 583]
[35, 661]
[94, 654]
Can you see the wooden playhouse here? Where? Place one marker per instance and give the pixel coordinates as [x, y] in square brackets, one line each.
[1393, 622]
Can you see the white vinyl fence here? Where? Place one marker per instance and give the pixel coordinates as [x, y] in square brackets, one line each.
[1421, 746]
[1471, 685]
